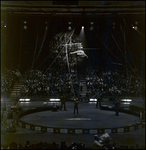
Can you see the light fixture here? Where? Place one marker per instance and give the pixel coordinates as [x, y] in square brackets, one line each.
[54, 100]
[135, 26]
[69, 23]
[93, 100]
[82, 27]
[25, 27]
[69, 27]
[114, 25]
[126, 100]
[91, 28]
[24, 100]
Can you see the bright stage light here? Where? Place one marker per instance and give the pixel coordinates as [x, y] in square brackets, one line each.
[82, 27]
[93, 100]
[126, 100]
[54, 100]
[27, 100]
[24, 100]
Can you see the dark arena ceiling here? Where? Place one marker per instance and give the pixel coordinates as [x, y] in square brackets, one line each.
[73, 8]
[17, 43]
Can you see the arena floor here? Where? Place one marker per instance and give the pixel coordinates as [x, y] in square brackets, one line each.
[89, 117]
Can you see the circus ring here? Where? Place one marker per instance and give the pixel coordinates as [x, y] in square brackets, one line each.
[90, 120]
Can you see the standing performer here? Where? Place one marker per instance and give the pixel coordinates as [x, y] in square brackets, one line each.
[63, 99]
[99, 98]
[117, 107]
[76, 102]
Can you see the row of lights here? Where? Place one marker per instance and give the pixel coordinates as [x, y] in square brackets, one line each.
[134, 26]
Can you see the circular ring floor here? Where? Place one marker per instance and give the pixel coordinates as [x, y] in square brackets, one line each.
[89, 118]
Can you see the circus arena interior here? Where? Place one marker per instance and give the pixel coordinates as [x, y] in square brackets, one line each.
[72, 74]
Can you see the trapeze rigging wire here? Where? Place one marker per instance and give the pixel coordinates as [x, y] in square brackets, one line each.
[121, 51]
[67, 61]
[46, 29]
[128, 62]
[128, 47]
[44, 61]
[55, 58]
[36, 46]
[35, 51]
[113, 55]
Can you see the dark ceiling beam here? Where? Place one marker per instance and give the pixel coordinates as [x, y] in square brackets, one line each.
[83, 7]
[89, 12]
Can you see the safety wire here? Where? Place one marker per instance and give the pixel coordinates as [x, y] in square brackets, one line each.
[35, 48]
[136, 76]
[46, 29]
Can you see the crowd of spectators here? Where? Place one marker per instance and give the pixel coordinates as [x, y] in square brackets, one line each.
[8, 78]
[61, 79]
[111, 83]
[63, 145]
[52, 82]
[58, 81]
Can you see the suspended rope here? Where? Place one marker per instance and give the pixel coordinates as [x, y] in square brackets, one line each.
[44, 61]
[56, 57]
[45, 33]
[69, 40]
[128, 47]
[117, 44]
[121, 52]
[35, 51]
[137, 77]
[114, 55]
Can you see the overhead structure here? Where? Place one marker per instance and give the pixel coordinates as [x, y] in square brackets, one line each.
[74, 8]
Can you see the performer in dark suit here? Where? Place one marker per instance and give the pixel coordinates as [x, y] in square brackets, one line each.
[99, 98]
[76, 102]
[63, 99]
[117, 107]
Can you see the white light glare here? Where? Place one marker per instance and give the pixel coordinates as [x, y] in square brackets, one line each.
[82, 27]
[56, 100]
[24, 100]
[93, 100]
[27, 100]
[126, 100]
[134, 27]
